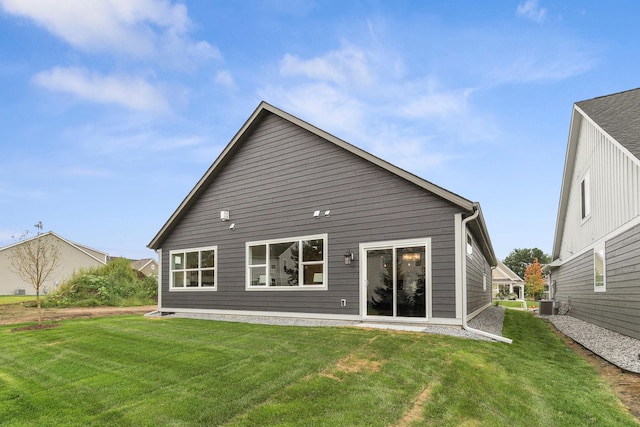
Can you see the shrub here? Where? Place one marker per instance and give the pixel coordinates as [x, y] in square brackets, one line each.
[114, 284]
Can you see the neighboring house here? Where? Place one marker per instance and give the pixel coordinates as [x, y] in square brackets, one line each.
[505, 281]
[596, 250]
[292, 221]
[73, 256]
[145, 267]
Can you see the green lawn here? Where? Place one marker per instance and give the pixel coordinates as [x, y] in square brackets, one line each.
[136, 371]
[15, 299]
[506, 303]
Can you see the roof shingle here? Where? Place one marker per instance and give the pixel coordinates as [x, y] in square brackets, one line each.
[619, 115]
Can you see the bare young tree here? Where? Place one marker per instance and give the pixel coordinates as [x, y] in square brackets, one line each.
[34, 260]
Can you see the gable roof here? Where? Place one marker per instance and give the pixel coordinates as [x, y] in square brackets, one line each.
[502, 273]
[255, 118]
[139, 264]
[618, 115]
[84, 249]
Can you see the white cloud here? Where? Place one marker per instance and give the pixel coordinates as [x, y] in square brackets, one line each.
[132, 93]
[142, 28]
[545, 62]
[530, 10]
[141, 138]
[362, 95]
[428, 100]
[345, 66]
[326, 106]
[225, 78]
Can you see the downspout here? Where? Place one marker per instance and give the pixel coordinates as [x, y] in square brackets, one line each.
[463, 265]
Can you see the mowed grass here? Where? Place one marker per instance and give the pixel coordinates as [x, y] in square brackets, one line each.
[16, 299]
[126, 371]
[505, 303]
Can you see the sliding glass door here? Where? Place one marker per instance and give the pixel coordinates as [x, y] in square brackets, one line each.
[396, 280]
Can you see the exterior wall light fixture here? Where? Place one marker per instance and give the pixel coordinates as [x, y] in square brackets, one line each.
[224, 215]
[348, 257]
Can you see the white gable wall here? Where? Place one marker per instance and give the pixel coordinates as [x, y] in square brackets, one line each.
[614, 176]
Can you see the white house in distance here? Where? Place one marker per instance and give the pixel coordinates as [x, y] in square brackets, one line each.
[596, 249]
[505, 280]
[73, 256]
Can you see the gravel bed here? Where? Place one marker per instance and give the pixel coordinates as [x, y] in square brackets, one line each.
[615, 348]
[490, 320]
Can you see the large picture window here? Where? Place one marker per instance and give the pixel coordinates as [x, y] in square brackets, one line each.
[293, 263]
[193, 269]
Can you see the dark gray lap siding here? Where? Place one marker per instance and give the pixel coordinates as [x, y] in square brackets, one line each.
[616, 309]
[478, 281]
[272, 185]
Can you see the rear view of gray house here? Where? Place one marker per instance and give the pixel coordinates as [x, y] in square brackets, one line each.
[292, 221]
[596, 250]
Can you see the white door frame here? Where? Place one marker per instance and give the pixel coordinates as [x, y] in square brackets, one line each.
[364, 247]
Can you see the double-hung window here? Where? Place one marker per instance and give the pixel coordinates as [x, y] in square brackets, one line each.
[193, 269]
[290, 263]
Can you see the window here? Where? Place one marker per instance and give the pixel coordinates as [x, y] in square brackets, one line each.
[599, 270]
[287, 263]
[585, 197]
[193, 269]
[469, 245]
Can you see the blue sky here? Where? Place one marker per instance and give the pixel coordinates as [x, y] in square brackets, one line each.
[110, 111]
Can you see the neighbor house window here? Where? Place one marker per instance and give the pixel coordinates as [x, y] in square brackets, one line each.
[291, 263]
[599, 270]
[193, 268]
[585, 197]
[469, 245]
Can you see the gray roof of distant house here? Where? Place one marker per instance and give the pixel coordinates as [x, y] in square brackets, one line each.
[618, 115]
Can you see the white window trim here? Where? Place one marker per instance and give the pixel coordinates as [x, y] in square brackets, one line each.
[599, 249]
[469, 248]
[586, 200]
[199, 288]
[394, 244]
[301, 287]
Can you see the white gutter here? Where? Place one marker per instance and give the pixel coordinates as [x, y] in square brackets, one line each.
[463, 265]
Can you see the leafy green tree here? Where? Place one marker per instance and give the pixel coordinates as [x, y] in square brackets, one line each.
[519, 259]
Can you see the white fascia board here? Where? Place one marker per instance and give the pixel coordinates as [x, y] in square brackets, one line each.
[567, 176]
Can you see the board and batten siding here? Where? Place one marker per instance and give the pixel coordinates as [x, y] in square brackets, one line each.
[617, 308]
[614, 177]
[271, 184]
